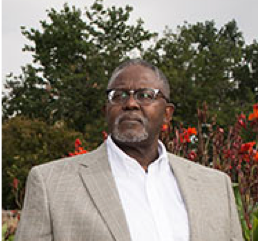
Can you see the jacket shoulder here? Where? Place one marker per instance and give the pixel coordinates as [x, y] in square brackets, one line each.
[68, 164]
[196, 168]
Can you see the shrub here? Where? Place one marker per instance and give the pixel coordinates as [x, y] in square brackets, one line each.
[27, 143]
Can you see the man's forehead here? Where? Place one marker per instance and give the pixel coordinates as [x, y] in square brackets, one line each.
[136, 74]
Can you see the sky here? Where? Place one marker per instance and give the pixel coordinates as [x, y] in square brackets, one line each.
[155, 14]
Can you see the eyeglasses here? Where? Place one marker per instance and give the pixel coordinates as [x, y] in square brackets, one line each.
[144, 96]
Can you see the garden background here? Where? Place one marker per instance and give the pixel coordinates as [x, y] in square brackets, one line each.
[57, 101]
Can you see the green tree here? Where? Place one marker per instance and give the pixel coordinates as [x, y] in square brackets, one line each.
[246, 75]
[27, 143]
[200, 61]
[73, 57]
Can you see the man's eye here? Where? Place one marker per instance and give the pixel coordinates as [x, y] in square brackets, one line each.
[120, 95]
[145, 96]
[124, 95]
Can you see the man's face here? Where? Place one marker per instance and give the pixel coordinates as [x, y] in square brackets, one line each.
[131, 122]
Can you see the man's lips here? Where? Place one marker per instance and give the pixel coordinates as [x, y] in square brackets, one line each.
[131, 119]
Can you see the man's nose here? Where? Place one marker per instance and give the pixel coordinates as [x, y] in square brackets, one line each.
[131, 103]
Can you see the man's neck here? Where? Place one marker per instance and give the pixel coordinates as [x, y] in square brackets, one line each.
[143, 153]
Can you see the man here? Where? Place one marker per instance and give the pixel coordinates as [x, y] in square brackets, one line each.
[130, 188]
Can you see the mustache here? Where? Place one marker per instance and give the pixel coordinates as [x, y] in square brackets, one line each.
[126, 116]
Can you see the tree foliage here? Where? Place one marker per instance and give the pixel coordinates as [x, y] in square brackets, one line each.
[73, 56]
[27, 143]
[207, 64]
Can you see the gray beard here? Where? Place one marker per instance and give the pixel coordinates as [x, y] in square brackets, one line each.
[131, 136]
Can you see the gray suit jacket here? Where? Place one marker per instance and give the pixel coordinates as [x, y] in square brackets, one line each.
[76, 199]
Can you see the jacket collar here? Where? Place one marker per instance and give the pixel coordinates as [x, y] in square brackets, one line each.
[98, 180]
[189, 185]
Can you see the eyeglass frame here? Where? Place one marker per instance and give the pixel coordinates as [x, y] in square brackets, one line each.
[133, 92]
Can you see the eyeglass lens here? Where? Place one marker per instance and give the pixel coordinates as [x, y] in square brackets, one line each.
[142, 96]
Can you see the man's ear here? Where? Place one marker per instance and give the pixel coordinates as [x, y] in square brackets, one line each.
[169, 113]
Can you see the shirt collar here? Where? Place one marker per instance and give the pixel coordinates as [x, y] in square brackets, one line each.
[123, 164]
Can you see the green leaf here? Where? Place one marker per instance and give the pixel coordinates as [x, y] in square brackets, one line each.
[4, 229]
[255, 225]
[245, 229]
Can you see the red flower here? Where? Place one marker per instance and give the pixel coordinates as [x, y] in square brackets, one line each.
[78, 148]
[13, 212]
[192, 155]
[247, 147]
[164, 127]
[227, 153]
[77, 143]
[256, 157]
[247, 151]
[191, 131]
[254, 116]
[15, 183]
[185, 136]
[246, 157]
[241, 120]
[105, 135]
[81, 151]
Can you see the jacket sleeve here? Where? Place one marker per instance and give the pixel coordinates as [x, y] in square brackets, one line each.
[235, 230]
[35, 223]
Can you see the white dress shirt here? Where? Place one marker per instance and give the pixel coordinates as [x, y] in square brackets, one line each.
[152, 202]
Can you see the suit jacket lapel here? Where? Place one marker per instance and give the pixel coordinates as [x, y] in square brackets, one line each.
[99, 182]
[189, 188]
